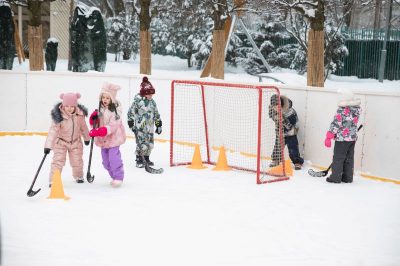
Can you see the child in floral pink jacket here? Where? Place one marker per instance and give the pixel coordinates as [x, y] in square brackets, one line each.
[65, 135]
[344, 130]
[110, 132]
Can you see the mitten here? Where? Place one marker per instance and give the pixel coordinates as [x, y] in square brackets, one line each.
[130, 123]
[98, 132]
[329, 137]
[87, 142]
[158, 130]
[47, 150]
[158, 124]
[93, 117]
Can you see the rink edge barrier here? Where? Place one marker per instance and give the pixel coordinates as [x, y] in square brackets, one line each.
[367, 176]
[364, 175]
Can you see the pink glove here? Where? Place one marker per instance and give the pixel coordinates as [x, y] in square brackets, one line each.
[93, 117]
[98, 132]
[329, 137]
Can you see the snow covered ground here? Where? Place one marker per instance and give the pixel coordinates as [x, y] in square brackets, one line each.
[192, 217]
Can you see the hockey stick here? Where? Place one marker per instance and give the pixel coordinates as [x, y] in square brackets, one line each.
[311, 172]
[147, 167]
[89, 176]
[32, 192]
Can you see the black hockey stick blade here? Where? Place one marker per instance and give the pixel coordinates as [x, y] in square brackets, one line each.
[150, 169]
[311, 172]
[89, 177]
[32, 193]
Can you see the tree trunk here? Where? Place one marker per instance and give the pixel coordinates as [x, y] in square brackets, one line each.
[145, 52]
[315, 58]
[35, 41]
[239, 6]
[377, 18]
[145, 37]
[18, 44]
[315, 49]
[347, 11]
[218, 54]
[217, 57]
[35, 48]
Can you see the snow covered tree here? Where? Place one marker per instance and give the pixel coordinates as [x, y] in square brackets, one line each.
[335, 50]
[7, 44]
[269, 36]
[189, 25]
[122, 36]
[115, 29]
[161, 38]
[130, 39]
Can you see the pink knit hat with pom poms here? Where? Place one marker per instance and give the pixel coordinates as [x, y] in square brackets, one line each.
[70, 98]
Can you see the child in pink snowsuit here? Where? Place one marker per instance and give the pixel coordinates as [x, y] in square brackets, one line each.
[65, 135]
[110, 132]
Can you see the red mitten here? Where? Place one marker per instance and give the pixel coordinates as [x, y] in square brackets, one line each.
[93, 117]
[329, 137]
[98, 132]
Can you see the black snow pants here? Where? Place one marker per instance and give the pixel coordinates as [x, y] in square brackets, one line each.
[343, 162]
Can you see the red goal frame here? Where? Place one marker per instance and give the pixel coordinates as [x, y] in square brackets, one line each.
[262, 92]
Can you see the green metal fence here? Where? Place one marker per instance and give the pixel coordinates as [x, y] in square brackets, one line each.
[364, 46]
[364, 58]
[370, 34]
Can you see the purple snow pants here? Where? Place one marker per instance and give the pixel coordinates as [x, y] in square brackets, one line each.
[113, 163]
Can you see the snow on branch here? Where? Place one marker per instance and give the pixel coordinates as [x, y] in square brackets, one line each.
[306, 7]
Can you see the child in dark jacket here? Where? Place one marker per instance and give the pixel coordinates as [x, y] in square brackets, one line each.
[344, 130]
[290, 130]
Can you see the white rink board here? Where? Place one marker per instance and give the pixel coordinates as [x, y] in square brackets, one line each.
[376, 150]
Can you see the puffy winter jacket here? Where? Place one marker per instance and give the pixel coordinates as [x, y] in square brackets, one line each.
[143, 113]
[289, 117]
[344, 124]
[116, 135]
[65, 127]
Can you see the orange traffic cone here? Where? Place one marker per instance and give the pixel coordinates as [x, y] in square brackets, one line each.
[278, 170]
[222, 164]
[57, 189]
[197, 163]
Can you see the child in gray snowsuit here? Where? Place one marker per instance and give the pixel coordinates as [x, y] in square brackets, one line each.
[344, 130]
[142, 116]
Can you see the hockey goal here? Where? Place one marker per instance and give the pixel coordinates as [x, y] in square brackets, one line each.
[235, 116]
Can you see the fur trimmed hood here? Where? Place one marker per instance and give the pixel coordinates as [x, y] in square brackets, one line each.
[57, 114]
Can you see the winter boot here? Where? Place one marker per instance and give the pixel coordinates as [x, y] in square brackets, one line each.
[116, 183]
[150, 163]
[297, 166]
[139, 162]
